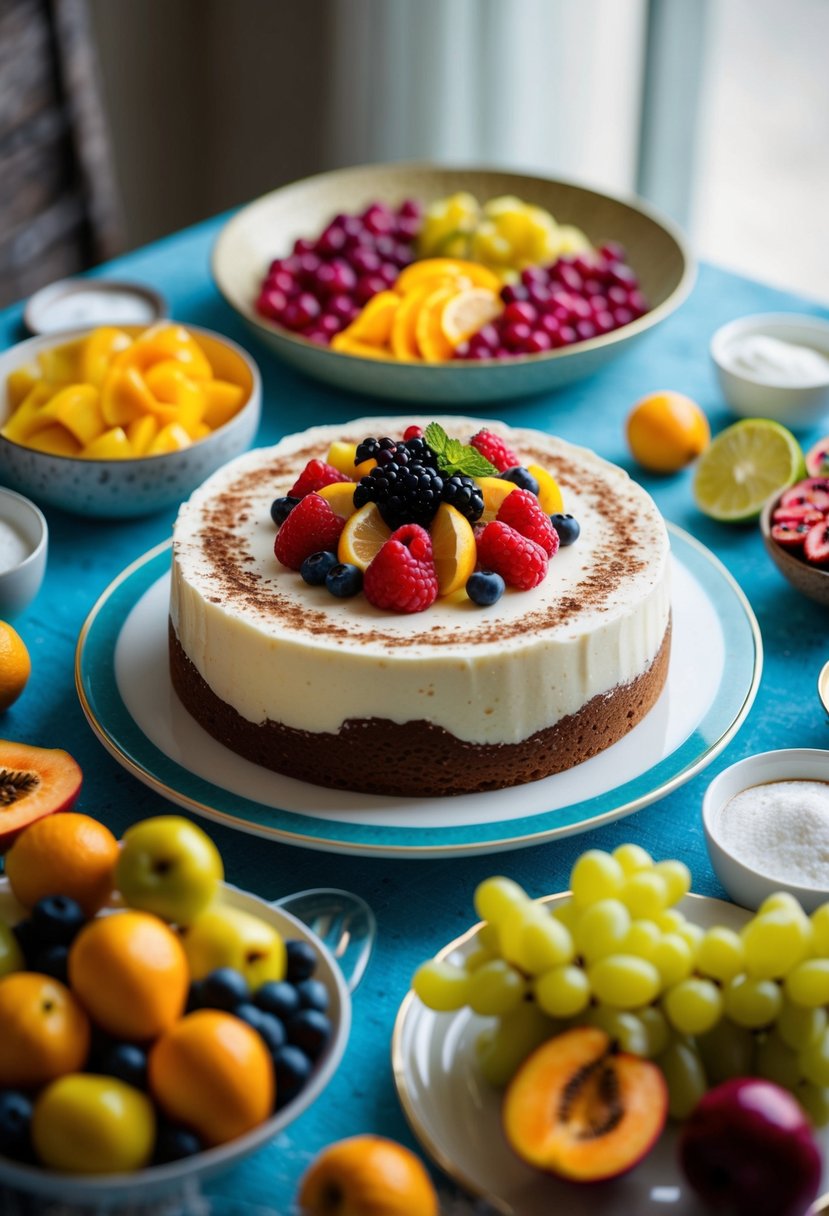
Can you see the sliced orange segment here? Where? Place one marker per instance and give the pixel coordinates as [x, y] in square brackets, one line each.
[141, 432]
[112, 445]
[431, 341]
[363, 536]
[29, 417]
[55, 440]
[340, 498]
[454, 548]
[222, 401]
[171, 438]
[347, 346]
[495, 490]
[166, 341]
[78, 408]
[403, 330]
[125, 396]
[430, 268]
[467, 311]
[549, 494]
[373, 323]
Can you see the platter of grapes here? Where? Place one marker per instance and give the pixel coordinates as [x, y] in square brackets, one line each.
[627, 1035]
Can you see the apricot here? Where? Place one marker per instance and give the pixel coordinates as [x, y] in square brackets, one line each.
[34, 782]
[367, 1176]
[583, 1111]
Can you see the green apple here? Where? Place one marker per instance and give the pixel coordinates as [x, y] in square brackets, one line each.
[11, 956]
[228, 937]
[168, 866]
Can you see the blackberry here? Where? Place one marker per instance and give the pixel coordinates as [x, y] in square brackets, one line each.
[405, 493]
[420, 451]
[465, 495]
[369, 449]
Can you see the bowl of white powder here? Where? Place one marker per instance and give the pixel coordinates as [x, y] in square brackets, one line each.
[23, 547]
[766, 823]
[775, 365]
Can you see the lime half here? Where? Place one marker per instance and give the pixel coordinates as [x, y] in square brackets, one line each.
[745, 465]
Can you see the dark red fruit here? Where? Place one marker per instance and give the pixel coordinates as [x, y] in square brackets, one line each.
[493, 448]
[311, 527]
[522, 511]
[790, 534]
[812, 491]
[521, 562]
[315, 476]
[816, 544]
[797, 513]
[402, 577]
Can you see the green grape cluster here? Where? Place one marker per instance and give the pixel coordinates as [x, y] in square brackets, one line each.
[705, 1005]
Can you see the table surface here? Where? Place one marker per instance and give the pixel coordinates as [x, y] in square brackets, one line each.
[420, 904]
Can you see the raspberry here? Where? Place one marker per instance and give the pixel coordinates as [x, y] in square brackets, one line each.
[522, 511]
[402, 577]
[314, 476]
[520, 561]
[413, 432]
[493, 449]
[311, 527]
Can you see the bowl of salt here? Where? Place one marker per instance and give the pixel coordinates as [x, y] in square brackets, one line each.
[766, 824]
[23, 545]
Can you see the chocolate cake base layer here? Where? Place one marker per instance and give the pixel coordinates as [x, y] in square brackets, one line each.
[417, 759]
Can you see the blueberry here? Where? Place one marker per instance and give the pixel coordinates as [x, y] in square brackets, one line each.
[126, 1062]
[53, 961]
[316, 567]
[522, 477]
[292, 1068]
[268, 1027]
[172, 1143]
[57, 919]
[344, 580]
[313, 994]
[15, 1122]
[195, 996]
[224, 988]
[281, 508]
[309, 1030]
[567, 527]
[301, 958]
[277, 997]
[485, 587]
[26, 936]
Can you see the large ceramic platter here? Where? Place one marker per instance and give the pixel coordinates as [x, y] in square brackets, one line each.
[456, 1115]
[121, 674]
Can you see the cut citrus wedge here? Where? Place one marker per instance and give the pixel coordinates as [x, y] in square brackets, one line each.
[495, 490]
[434, 347]
[467, 311]
[340, 498]
[549, 494]
[363, 537]
[403, 340]
[453, 548]
[744, 466]
[453, 268]
[373, 323]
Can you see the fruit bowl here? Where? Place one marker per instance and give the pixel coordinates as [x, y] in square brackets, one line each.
[135, 486]
[268, 227]
[178, 1176]
[809, 579]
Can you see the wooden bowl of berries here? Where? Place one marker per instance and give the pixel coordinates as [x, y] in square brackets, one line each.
[156, 1024]
[795, 527]
[428, 283]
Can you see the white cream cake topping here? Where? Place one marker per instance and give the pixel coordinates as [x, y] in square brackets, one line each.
[276, 649]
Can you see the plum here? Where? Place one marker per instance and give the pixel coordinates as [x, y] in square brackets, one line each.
[748, 1149]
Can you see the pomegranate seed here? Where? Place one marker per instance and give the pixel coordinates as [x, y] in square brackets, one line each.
[637, 302]
[623, 275]
[309, 264]
[622, 316]
[282, 280]
[479, 347]
[592, 287]
[515, 334]
[402, 255]
[407, 227]
[612, 251]
[365, 260]
[367, 286]
[568, 276]
[271, 303]
[584, 265]
[388, 272]
[585, 330]
[537, 342]
[330, 323]
[409, 208]
[567, 335]
[461, 352]
[533, 275]
[598, 304]
[539, 295]
[604, 322]
[303, 245]
[518, 311]
[489, 334]
[317, 335]
[332, 240]
[377, 219]
[301, 311]
[550, 325]
[513, 292]
[580, 309]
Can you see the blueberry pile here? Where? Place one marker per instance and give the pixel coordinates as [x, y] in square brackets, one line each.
[290, 1015]
[46, 936]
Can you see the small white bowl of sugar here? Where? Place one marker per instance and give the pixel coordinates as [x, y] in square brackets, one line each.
[23, 545]
[766, 823]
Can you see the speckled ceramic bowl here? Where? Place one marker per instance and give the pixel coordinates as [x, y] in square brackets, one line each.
[808, 579]
[267, 228]
[121, 488]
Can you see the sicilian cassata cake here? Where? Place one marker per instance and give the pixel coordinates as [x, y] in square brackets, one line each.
[451, 696]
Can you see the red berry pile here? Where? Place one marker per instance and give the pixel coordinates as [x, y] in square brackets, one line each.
[322, 286]
[574, 299]
[800, 522]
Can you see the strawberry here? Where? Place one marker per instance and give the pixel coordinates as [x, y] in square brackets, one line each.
[402, 576]
[311, 527]
[493, 449]
[314, 476]
[520, 561]
[816, 544]
[522, 511]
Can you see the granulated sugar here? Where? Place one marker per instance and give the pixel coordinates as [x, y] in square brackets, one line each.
[780, 830]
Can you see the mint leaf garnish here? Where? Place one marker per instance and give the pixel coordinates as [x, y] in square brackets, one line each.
[456, 457]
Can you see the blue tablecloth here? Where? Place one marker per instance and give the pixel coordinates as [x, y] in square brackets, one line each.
[420, 904]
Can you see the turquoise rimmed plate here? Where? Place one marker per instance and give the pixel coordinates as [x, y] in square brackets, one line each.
[121, 674]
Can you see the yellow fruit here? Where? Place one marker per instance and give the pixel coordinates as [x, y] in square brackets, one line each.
[549, 494]
[111, 445]
[77, 408]
[171, 438]
[367, 1176]
[363, 537]
[373, 323]
[467, 311]
[439, 268]
[98, 351]
[87, 1124]
[62, 364]
[222, 400]
[666, 431]
[19, 384]
[432, 343]
[340, 498]
[54, 441]
[28, 418]
[125, 396]
[44, 1032]
[495, 490]
[11, 956]
[141, 432]
[227, 937]
[341, 457]
[15, 665]
[403, 331]
[66, 854]
[453, 547]
[362, 350]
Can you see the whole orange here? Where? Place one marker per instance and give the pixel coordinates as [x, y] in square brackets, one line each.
[15, 665]
[666, 431]
[212, 1072]
[66, 854]
[129, 972]
[367, 1176]
[44, 1033]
